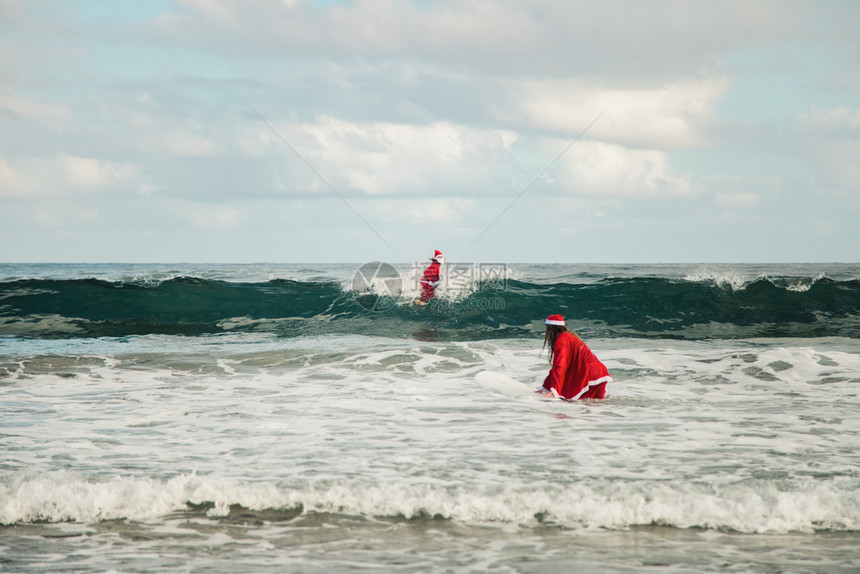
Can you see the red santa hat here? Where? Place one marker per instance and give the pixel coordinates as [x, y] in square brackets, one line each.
[555, 320]
[437, 254]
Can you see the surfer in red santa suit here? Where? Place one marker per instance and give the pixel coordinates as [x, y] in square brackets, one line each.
[430, 279]
[576, 372]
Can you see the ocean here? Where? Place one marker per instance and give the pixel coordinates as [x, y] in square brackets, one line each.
[309, 418]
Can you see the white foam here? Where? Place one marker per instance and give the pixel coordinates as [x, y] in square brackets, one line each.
[744, 506]
[721, 277]
[804, 285]
[753, 436]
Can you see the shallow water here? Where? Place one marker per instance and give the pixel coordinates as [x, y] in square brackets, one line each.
[255, 452]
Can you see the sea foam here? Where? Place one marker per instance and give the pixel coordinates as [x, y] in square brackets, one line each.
[744, 506]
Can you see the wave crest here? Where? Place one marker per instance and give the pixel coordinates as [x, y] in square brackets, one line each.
[704, 305]
[744, 506]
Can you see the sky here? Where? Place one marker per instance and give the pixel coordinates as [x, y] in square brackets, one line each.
[498, 131]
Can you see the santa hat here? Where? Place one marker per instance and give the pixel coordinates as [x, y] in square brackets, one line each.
[437, 254]
[555, 320]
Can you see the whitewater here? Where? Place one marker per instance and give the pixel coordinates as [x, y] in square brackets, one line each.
[264, 418]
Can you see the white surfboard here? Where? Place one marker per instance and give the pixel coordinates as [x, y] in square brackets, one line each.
[504, 385]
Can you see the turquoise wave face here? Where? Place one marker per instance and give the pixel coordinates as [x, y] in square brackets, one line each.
[629, 307]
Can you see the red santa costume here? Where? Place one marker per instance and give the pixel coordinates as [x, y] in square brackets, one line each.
[431, 277]
[576, 372]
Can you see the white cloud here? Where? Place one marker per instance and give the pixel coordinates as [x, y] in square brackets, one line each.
[840, 119]
[167, 133]
[385, 158]
[63, 175]
[373, 26]
[596, 39]
[92, 174]
[18, 105]
[425, 112]
[831, 140]
[669, 117]
[443, 159]
[609, 170]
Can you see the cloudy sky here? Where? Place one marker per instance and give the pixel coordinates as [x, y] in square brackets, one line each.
[508, 130]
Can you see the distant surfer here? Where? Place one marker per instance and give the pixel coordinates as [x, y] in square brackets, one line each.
[430, 279]
[576, 372]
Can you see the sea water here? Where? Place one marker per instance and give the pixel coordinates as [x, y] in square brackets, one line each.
[266, 418]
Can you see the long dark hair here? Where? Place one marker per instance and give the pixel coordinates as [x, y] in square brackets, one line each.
[552, 333]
